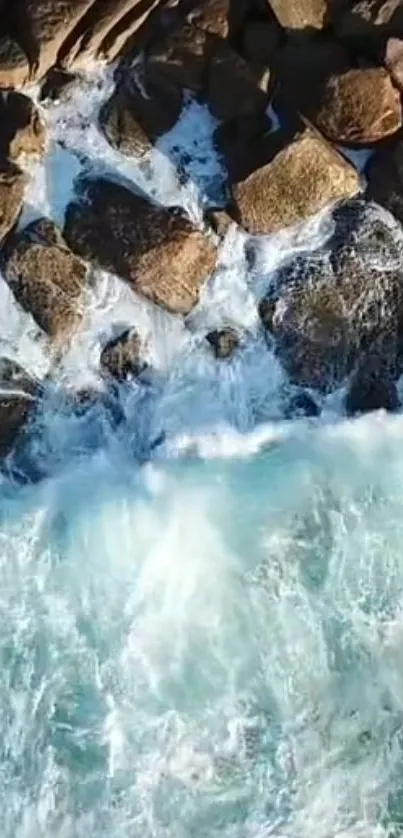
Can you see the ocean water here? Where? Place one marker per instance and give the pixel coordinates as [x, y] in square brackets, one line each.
[201, 610]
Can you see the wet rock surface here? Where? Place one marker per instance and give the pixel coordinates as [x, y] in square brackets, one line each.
[157, 251]
[223, 342]
[18, 393]
[121, 357]
[12, 186]
[22, 129]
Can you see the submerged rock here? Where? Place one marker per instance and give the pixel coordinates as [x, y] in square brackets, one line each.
[330, 307]
[46, 278]
[302, 179]
[158, 251]
[224, 342]
[21, 128]
[121, 357]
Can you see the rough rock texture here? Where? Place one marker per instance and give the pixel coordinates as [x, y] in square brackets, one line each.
[223, 342]
[393, 60]
[368, 23]
[22, 130]
[332, 307]
[46, 278]
[300, 15]
[12, 186]
[157, 251]
[232, 89]
[135, 116]
[303, 178]
[385, 178]
[183, 56]
[121, 357]
[17, 399]
[359, 107]
[43, 26]
[221, 17]
[14, 64]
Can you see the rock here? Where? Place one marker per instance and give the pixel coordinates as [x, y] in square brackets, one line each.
[224, 342]
[385, 178]
[183, 56]
[12, 186]
[232, 88]
[134, 117]
[260, 41]
[46, 278]
[360, 107]
[130, 32]
[332, 306]
[57, 84]
[302, 179]
[245, 144]
[121, 357]
[220, 17]
[369, 391]
[302, 16]
[14, 64]
[157, 251]
[18, 393]
[367, 24]
[301, 404]
[43, 26]
[22, 130]
[393, 60]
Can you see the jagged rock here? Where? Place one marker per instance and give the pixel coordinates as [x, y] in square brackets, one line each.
[105, 29]
[46, 278]
[245, 144]
[183, 56]
[56, 84]
[14, 64]
[385, 178]
[43, 26]
[18, 392]
[359, 107]
[302, 179]
[12, 186]
[367, 24]
[22, 130]
[157, 251]
[221, 17]
[332, 306]
[135, 116]
[224, 342]
[121, 357]
[301, 16]
[232, 89]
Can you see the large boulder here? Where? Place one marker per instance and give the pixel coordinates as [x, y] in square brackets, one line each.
[18, 392]
[331, 308]
[136, 115]
[360, 106]
[21, 128]
[232, 89]
[302, 179]
[46, 278]
[157, 251]
[385, 178]
[12, 187]
[302, 16]
[300, 68]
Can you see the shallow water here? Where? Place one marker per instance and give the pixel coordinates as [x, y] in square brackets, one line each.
[207, 645]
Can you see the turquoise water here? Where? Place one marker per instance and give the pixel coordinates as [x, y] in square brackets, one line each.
[207, 648]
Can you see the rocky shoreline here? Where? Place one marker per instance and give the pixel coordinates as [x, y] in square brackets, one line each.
[295, 89]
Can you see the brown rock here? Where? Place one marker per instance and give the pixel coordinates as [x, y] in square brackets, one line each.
[12, 186]
[367, 24]
[220, 17]
[22, 130]
[302, 179]
[14, 64]
[157, 251]
[43, 26]
[56, 84]
[183, 56]
[232, 88]
[385, 178]
[300, 15]
[224, 342]
[121, 357]
[394, 60]
[135, 116]
[18, 393]
[359, 107]
[334, 306]
[46, 278]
